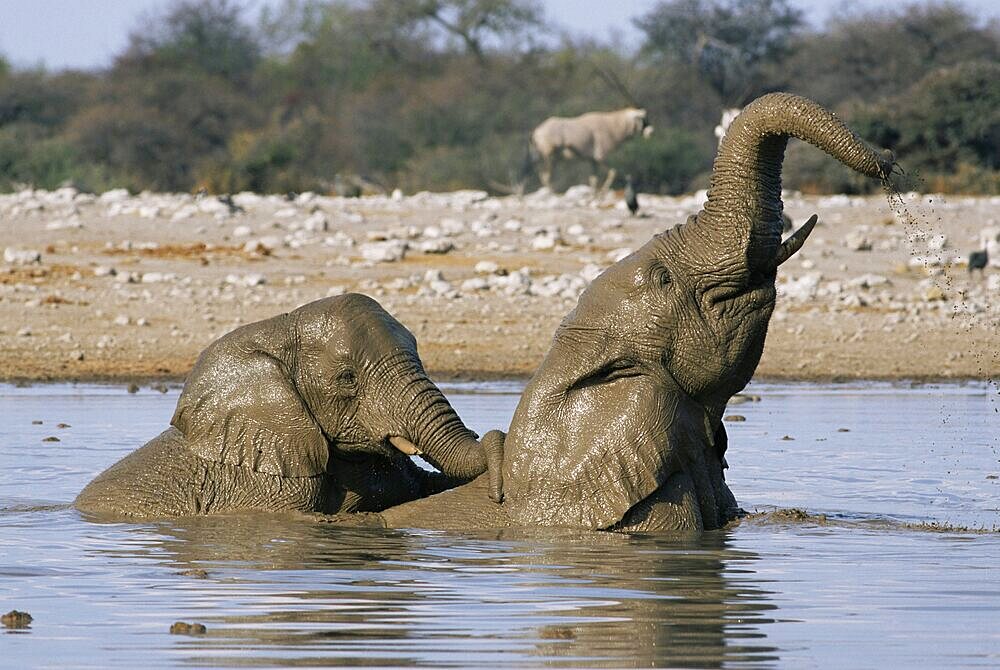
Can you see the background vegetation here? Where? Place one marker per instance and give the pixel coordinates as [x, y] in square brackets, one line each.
[441, 94]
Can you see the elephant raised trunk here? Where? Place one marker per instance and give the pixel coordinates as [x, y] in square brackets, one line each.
[745, 192]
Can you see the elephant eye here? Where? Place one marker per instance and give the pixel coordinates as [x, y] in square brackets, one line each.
[346, 377]
[661, 276]
[611, 372]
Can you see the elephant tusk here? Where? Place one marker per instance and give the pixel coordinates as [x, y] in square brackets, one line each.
[794, 241]
[405, 445]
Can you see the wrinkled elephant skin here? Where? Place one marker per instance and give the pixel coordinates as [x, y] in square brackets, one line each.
[311, 411]
[620, 427]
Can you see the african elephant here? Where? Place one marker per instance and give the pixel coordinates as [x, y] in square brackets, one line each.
[621, 426]
[314, 410]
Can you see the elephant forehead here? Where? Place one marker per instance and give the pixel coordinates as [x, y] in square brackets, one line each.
[352, 323]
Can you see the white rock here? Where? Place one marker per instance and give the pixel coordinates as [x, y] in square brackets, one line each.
[64, 224]
[432, 232]
[486, 268]
[263, 245]
[442, 288]
[544, 242]
[937, 242]
[578, 192]
[989, 239]
[857, 240]
[438, 246]
[248, 280]
[213, 206]
[114, 195]
[399, 284]
[149, 212]
[185, 212]
[993, 283]
[515, 283]
[242, 231]
[575, 229]
[316, 223]
[433, 275]
[512, 225]
[803, 288]
[397, 195]
[389, 251]
[122, 320]
[21, 256]
[452, 226]
[157, 277]
[474, 284]
[868, 281]
[104, 271]
[926, 262]
[286, 213]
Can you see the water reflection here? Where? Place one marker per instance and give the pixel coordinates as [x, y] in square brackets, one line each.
[301, 593]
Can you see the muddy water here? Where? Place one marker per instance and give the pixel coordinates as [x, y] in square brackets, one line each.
[856, 588]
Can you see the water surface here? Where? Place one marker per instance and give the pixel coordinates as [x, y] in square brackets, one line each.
[861, 588]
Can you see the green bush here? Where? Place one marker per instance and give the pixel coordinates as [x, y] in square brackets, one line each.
[666, 162]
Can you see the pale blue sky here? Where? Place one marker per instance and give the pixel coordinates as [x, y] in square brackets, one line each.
[88, 33]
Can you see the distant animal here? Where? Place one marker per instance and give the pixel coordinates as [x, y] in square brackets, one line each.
[227, 200]
[631, 199]
[591, 137]
[978, 260]
[728, 116]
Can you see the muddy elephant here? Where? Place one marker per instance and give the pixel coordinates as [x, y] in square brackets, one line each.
[621, 426]
[315, 410]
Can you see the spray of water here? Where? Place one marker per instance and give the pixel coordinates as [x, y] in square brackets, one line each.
[919, 222]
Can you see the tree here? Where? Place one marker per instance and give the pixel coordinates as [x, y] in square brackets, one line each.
[727, 41]
[473, 22]
[209, 36]
[872, 55]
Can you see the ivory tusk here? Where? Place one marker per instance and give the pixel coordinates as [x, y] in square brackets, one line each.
[794, 241]
[405, 445]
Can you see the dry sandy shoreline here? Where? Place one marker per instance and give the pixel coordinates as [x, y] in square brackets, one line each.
[131, 288]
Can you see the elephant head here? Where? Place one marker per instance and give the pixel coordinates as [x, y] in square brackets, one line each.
[621, 424]
[322, 389]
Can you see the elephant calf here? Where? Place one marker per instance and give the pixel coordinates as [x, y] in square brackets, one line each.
[316, 410]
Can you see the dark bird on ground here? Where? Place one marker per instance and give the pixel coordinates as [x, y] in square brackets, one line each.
[978, 260]
[631, 199]
[290, 196]
[227, 200]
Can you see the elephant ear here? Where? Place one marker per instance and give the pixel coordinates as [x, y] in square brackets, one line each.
[592, 460]
[242, 409]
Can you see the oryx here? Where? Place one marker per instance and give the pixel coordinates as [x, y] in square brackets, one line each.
[592, 137]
